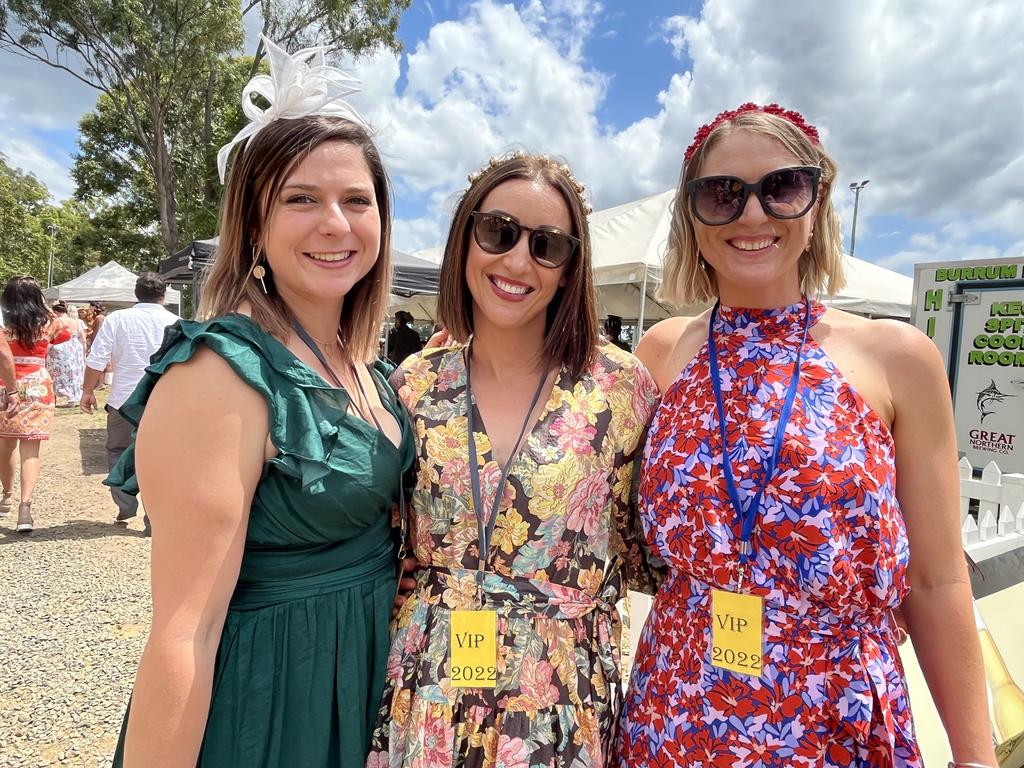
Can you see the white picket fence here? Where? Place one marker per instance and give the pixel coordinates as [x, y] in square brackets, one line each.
[999, 526]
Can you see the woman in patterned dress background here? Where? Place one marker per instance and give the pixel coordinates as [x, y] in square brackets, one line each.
[516, 281]
[66, 362]
[31, 329]
[860, 516]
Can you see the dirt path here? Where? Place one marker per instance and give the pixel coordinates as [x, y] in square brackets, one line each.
[74, 609]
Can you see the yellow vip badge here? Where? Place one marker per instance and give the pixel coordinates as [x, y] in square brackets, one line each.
[737, 639]
[474, 649]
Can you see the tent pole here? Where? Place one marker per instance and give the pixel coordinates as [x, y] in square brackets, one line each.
[643, 302]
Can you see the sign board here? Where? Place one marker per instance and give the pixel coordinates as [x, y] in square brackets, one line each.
[974, 312]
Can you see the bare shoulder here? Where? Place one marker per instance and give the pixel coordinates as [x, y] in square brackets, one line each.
[197, 374]
[897, 344]
[669, 345]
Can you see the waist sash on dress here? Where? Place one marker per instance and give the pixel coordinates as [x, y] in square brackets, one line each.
[595, 618]
[272, 575]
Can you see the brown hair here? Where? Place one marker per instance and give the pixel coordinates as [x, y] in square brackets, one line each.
[570, 337]
[260, 168]
[690, 280]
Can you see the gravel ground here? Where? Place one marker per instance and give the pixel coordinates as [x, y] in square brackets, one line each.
[74, 609]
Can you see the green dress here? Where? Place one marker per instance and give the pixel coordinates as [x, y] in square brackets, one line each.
[300, 668]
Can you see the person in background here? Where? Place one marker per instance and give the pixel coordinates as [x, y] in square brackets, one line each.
[800, 482]
[30, 331]
[527, 434]
[125, 342]
[97, 314]
[270, 452]
[66, 362]
[612, 331]
[9, 400]
[403, 339]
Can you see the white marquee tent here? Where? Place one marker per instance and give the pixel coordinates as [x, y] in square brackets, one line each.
[629, 245]
[110, 284]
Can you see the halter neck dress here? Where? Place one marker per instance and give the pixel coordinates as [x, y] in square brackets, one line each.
[830, 558]
[300, 668]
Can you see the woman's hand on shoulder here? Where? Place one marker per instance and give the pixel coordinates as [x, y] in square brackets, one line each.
[440, 339]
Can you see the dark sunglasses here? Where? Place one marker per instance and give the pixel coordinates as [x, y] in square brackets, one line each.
[787, 193]
[498, 233]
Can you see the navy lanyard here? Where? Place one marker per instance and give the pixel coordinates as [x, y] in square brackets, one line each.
[485, 527]
[748, 515]
[315, 349]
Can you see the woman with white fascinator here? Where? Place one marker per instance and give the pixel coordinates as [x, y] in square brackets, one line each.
[270, 449]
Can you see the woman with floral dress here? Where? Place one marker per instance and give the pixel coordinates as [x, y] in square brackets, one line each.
[527, 431]
[799, 480]
[31, 330]
[66, 362]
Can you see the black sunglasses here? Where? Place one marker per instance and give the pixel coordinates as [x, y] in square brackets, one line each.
[787, 193]
[498, 233]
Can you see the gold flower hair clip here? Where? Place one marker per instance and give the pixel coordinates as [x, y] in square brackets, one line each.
[546, 160]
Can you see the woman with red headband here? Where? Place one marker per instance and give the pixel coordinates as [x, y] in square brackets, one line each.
[799, 480]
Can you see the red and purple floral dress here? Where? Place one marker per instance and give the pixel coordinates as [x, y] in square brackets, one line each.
[830, 558]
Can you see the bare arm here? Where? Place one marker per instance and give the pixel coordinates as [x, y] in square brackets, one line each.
[8, 376]
[96, 363]
[938, 609]
[199, 527]
[7, 373]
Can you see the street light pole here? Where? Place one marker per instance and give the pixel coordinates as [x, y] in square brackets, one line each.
[49, 271]
[856, 187]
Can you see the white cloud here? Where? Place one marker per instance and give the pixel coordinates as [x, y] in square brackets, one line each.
[30, 156]
[952, 242]
[926, 105]
[411, 235]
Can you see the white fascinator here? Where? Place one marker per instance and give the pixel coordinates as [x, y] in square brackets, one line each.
[298, 85]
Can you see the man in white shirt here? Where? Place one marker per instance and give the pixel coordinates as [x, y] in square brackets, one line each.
[126, 341]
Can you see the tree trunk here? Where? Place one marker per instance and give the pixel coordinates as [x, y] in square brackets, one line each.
[163, 177]
[209, 193]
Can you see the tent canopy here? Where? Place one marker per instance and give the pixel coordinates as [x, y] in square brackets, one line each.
[413, 275]
[108, 283]
[630, 241]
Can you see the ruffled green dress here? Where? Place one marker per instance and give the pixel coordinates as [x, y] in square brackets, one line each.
[300, 668]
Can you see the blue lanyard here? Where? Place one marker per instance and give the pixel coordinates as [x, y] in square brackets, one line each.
[749, 514]
[485, 527]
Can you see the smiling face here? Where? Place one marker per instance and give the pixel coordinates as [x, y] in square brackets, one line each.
[756, 258]
[511, 290]
[323, 231]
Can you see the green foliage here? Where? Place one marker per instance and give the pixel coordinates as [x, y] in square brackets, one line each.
[169, 89]
[354, 26]
[146, 56]
[23, 238]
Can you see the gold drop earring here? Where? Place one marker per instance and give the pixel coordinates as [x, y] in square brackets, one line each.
[258, 271]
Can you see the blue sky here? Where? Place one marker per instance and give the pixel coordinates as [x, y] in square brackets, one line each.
[927, 106]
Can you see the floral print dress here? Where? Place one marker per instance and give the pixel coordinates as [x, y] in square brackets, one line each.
[66, 364]
[563, 547]
[830, 562]
[33, 417]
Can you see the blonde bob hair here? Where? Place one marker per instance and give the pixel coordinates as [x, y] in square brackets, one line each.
[260, 168]
[689, 279]
[570, 337]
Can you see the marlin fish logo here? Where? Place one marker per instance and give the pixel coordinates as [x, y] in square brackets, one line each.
[989, 397]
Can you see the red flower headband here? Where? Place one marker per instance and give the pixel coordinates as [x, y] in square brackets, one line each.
[772, 109]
